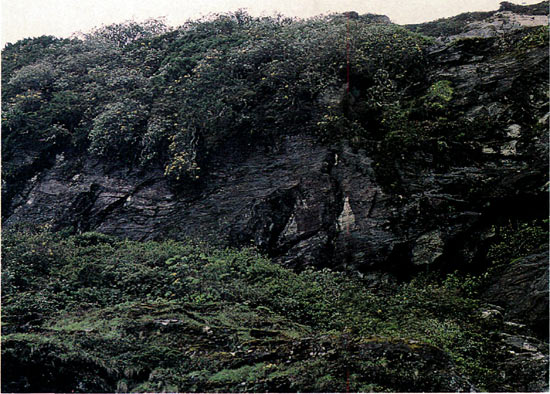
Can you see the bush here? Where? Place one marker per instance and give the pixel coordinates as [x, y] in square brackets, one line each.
[518, 240]
[140, 92]
[107, 300]
[117, 129]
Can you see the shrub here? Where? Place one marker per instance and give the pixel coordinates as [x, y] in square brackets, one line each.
[117, 129]
[196, 314]
[518, 240]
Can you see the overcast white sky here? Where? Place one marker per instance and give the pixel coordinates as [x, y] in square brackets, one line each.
[32, 18]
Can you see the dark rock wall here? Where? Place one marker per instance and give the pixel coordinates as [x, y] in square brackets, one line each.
[307, 202]
[521, 288]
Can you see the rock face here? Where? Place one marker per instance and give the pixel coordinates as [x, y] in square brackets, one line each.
[86, 196]
[499, 23]
[522, 289]
[526, 361]
[306, 202]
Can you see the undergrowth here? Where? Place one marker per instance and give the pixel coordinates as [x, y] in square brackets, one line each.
[153, 316]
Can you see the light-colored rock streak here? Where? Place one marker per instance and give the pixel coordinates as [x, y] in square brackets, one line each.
[346, 220]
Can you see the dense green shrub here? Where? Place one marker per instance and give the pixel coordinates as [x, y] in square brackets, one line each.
[175, 98]
[102, 301]
[516, 240]
[439, 94]
[535, 37]
[141, 92]
[116, 130]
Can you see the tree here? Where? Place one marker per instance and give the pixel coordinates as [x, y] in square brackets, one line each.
[125, 33]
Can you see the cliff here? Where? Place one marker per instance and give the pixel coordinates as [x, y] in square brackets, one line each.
[242, 132]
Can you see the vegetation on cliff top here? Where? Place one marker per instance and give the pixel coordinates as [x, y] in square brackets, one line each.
[131, 93]
[456, 24]
[146, 95]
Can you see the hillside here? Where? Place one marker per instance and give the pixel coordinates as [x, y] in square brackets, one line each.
[214, 208]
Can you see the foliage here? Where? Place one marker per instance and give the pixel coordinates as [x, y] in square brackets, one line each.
[26, 52]
[144, 94]
[536, 37]
[439, 94]
[125, 33]
[449, 26]
[115, 130]
[456, 24]
[518, 240]
[140, 92]
[178, 99]
[94, 300]
[183, 316]
[532, 9]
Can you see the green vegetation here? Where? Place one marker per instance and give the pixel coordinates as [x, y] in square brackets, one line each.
[439, 94]
[149, 316]
[536, 37]
[141, 93]
[450, 26]
[532, 9]
[90, 312]
[144, 95]
[518, 240]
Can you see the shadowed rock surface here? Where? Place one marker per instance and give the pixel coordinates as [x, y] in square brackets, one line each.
[521, 289]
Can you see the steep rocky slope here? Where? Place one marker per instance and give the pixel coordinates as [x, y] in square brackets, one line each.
[377, 203]
[438, 147]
